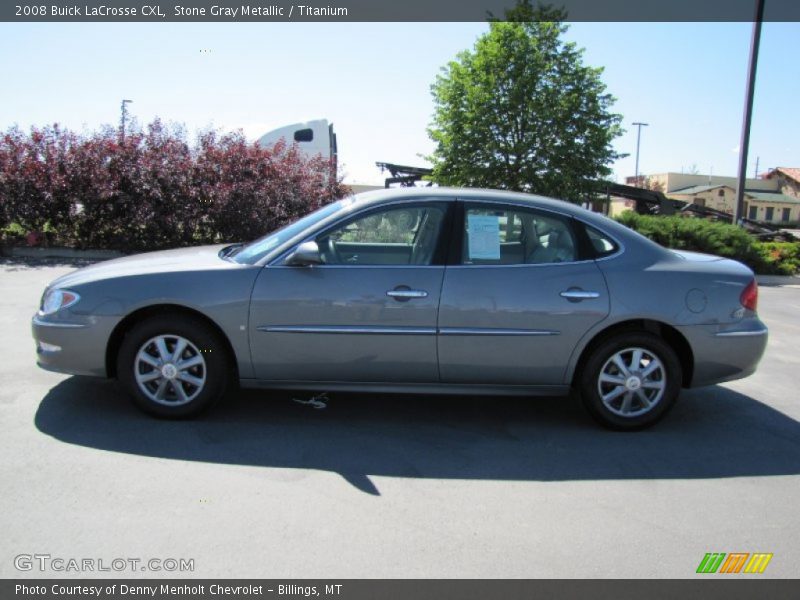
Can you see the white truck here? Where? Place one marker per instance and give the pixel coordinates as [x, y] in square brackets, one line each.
[313, 138]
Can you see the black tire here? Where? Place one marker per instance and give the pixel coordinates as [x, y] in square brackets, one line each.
[640, 414]
[202, 340]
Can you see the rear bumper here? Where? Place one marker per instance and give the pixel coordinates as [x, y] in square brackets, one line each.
[725, 352]
[75, 347]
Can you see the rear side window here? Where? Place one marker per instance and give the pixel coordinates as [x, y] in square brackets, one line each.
[512, 235]
[602, 245]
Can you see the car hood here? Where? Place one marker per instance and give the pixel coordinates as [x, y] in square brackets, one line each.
[199, 258]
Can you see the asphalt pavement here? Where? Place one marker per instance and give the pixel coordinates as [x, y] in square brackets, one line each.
[394, 486]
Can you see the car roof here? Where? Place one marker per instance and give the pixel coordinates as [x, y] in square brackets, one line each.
[463, 193]
[377, 197]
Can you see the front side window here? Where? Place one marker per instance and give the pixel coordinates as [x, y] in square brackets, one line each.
[255, 251]
[395, 236]
[515, 235]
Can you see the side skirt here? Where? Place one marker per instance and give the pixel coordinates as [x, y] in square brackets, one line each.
[409, 388]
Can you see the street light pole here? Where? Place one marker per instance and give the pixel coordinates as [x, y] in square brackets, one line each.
[744, 145]
[638, 140]
[124, 117]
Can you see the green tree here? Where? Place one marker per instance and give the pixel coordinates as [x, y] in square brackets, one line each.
[521, 111]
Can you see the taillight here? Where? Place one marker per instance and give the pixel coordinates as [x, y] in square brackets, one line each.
[749, 297]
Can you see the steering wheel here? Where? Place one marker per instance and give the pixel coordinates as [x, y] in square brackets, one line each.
[329, 252]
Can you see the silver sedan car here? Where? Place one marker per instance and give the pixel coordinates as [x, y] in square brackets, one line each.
[435, 290]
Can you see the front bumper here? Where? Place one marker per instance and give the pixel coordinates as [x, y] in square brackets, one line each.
[725, 353]
[76, 346]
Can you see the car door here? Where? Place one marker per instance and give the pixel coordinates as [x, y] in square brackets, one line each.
[368, 313]
[516, 303]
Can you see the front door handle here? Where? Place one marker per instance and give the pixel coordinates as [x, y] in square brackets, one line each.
[577, 295]
[406, 294]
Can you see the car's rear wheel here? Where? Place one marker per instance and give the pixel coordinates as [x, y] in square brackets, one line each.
[173, 366]
[631, 381]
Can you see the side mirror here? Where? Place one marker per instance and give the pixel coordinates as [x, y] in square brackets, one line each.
[306, 254]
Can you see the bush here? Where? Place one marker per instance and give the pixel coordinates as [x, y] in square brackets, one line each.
[714, 237]
[34, 178]
[13, 233]
[243, 191]
[153, 190]
[133, 194]
[779, 258]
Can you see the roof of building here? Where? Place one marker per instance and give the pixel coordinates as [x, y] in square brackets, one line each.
[790, 172]
[757, 195]
[698, 189]
[772, 197]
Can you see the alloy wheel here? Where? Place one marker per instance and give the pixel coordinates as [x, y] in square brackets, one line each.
[170, 370]
[632, 382]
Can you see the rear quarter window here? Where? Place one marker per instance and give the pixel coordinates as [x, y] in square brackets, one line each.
[601, 244]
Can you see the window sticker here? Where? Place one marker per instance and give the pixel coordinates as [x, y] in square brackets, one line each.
[484, 237]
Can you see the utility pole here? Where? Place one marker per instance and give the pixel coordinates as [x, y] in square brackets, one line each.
[638, 141]
[738, 207]
[124, 117]
[758, 160]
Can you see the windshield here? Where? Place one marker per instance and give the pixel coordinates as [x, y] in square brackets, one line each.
[256, 250]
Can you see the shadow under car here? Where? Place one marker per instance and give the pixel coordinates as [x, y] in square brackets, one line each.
[712, 432]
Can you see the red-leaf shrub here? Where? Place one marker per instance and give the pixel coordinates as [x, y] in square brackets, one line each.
[244, 191]
[152, 190]
[134, 193]
[34, 178]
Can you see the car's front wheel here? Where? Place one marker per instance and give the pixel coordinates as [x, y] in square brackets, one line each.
[630, 381]
[173, 366]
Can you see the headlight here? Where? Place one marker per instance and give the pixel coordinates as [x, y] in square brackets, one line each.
[54, 300]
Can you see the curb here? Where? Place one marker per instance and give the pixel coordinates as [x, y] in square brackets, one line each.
[70, 253]
[778, 280]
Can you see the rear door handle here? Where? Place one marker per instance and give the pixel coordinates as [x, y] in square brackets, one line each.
[407, 294]
[579, 294]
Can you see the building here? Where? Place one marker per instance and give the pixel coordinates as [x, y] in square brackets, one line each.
[773, 198]
[787, 178]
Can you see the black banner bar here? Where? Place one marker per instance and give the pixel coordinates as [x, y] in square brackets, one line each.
[385, 10]
[708, 587]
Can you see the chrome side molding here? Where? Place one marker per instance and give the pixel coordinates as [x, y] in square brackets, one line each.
[495, 331]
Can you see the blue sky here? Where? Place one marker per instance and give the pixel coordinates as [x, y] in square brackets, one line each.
[686, 80]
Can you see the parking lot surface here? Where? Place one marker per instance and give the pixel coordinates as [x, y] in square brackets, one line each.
[391, 486]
